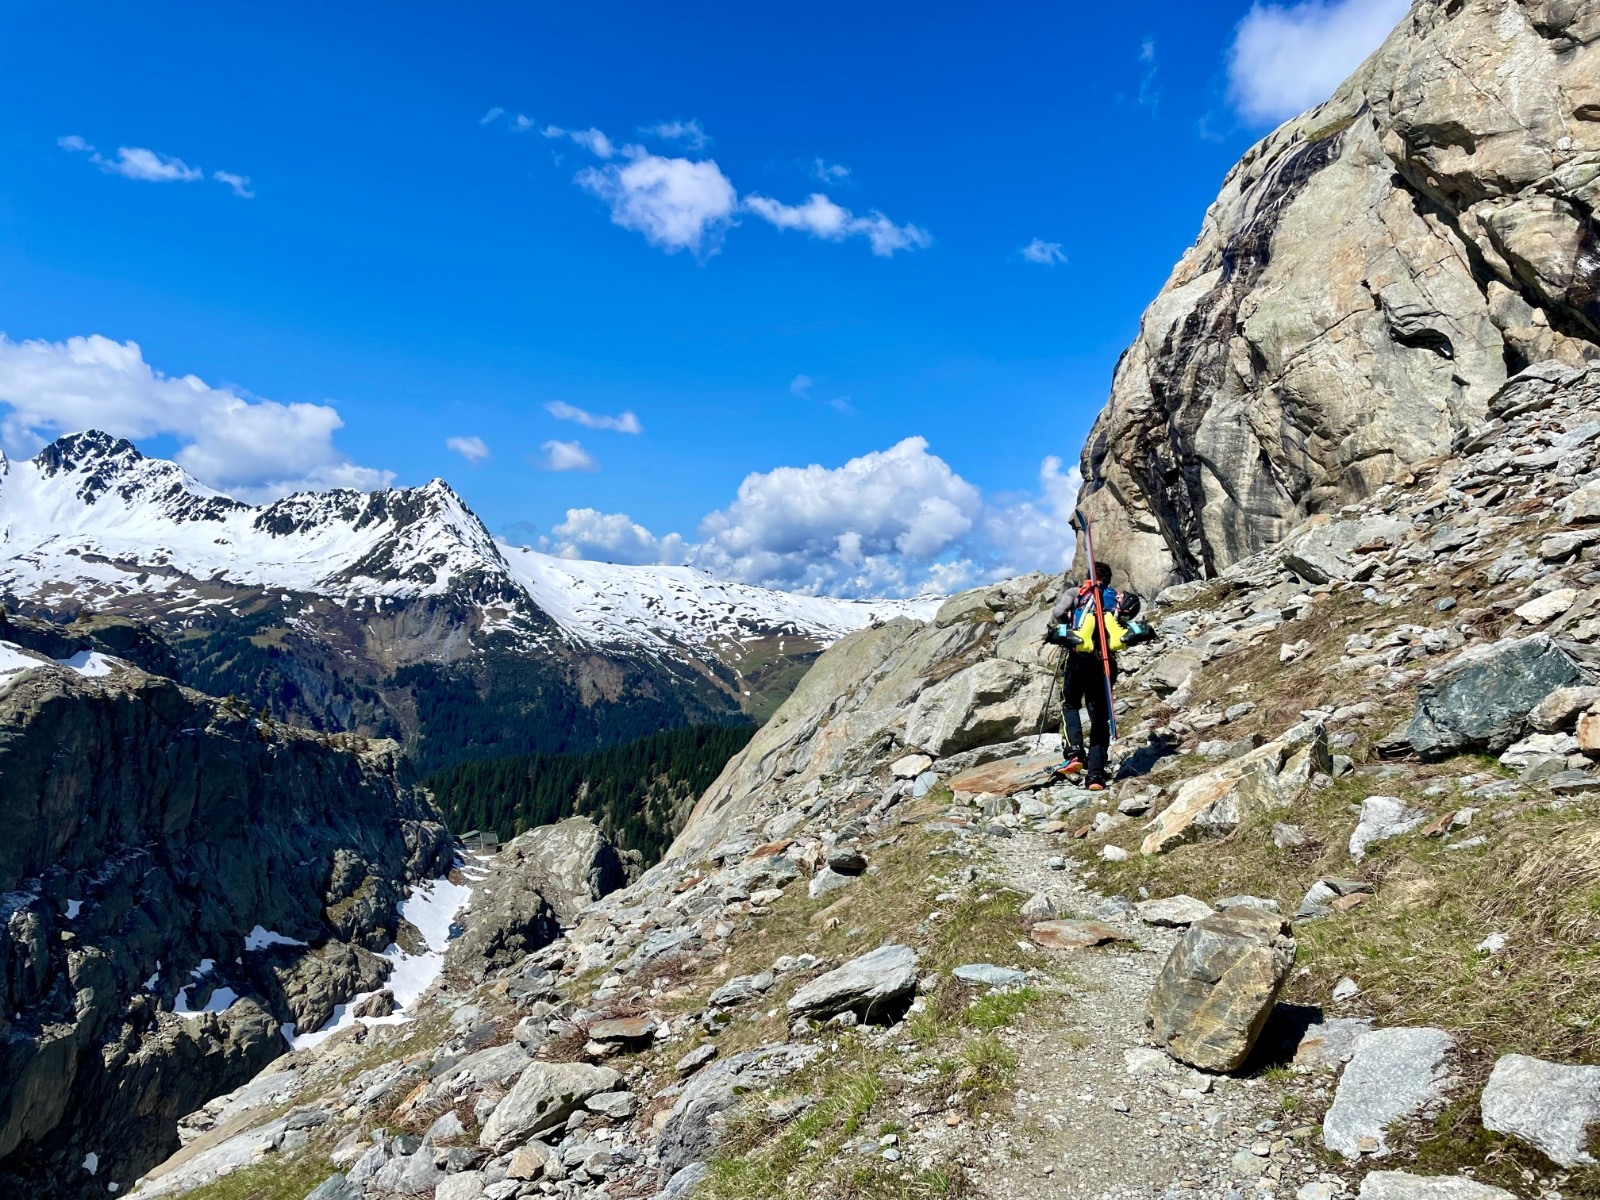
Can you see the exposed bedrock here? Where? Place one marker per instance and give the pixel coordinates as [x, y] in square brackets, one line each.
[1370, 275]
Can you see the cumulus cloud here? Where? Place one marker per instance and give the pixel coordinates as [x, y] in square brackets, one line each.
[863, 528]
[687, 132]
[567, 456]
[822, 218]
[473, 449]
[683, 203]
[613, 537]
[1033, 533]
[1285, 60]
[623, 423]
[899, 521]
[1045, 253]
[249, 447]
[676, 203]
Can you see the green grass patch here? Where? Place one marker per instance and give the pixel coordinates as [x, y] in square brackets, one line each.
[268, 1180]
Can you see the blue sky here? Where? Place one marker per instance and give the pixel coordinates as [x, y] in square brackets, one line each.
[396, 241]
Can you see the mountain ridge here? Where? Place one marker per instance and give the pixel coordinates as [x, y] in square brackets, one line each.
[357, 610]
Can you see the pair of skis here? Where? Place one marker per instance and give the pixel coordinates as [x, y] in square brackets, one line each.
[1080, 522]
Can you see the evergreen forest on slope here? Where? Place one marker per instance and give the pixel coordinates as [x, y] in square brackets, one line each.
[638, 792]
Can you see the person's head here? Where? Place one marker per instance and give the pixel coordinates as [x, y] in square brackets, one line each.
[1102, 572]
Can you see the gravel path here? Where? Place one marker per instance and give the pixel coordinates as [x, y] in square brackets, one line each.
[1100, 1114]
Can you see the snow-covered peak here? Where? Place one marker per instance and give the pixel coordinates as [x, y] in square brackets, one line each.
[92, 519]
[665, 607]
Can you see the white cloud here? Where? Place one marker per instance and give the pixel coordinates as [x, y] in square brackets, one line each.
[872, 525]
[800, 386]
[252, 448]
[136, 162]
[822, 218]
[831, 173]
[150, 166]
[687, 132]
[894, 522]
[1149, 93]
[614, 537]
[592, 140]
[1285, 60]
[567, 456]
[239, 183]
[1045, 253]
[676, 203]
[472, 448]
[1034, 533]
[624, 423]
[688, 204]
[133, 162]
[493, 115]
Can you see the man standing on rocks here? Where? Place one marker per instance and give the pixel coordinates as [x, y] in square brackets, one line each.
[1088, 673]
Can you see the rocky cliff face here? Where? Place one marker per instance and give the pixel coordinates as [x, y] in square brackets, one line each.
[1370, 275]
[178, 879]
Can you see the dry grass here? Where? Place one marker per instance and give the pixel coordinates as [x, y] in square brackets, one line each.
[1412, 946]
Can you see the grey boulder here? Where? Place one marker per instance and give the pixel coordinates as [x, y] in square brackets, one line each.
[1393, 1074]
[1481, 699]
[1173, 912]
[544, 1097]
[740, 989]
[691, 1129]
[1397, 1185]
[1545, 1104]
[335, 1187]
[1218, 987]
[989, 975]
[870, 986]
[538, 884]
[1382, 817]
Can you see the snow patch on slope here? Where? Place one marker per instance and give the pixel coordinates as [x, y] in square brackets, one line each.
[432, 907]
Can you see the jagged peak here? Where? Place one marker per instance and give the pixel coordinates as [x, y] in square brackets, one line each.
[76, 451]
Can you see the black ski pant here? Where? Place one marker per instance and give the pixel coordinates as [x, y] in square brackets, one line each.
[1083, 685]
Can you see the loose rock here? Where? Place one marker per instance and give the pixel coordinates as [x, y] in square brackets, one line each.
[1218, 987]
[1545, 1104]
[1394, 1073]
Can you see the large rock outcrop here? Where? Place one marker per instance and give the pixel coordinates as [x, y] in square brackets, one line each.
[976, 675]
[170, 853]
[1369, 276]
[537, 885]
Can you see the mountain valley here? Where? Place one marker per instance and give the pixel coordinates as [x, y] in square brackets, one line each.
[1332, 929]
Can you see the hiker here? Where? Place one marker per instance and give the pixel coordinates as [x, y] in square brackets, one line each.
[1089, 671]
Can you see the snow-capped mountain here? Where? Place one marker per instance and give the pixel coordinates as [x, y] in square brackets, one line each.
[393, 578]
[92, 517]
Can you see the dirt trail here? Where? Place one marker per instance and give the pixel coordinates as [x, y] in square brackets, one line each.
[1099, 1114]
